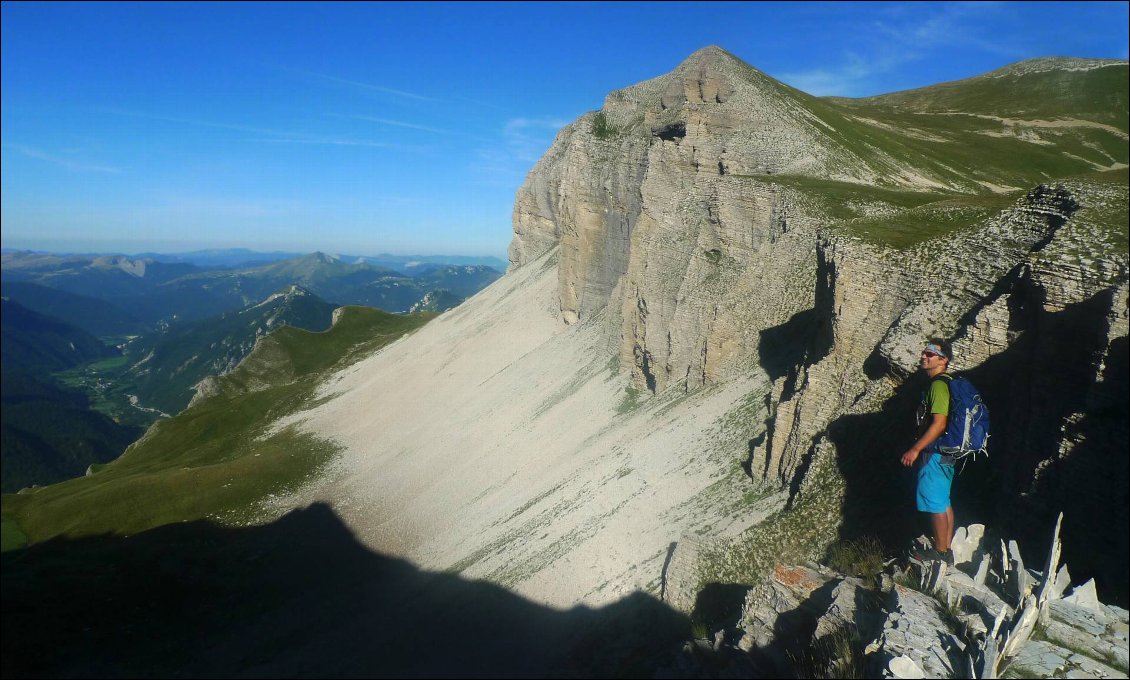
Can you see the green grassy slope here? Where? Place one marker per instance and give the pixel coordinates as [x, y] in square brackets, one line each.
[164, 368]
[218, 459]
[1040, 88]
[950, 156]
[49, 432]
[1013, 128]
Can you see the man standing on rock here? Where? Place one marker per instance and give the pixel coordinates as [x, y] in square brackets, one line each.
[935, 471]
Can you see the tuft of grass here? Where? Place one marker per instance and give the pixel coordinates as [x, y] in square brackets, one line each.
[1017, 671]
[953, 615]
[862, 557]
[1040, 632]
[905, 580]
[1114, 661]
[220, 459]
[839, 654]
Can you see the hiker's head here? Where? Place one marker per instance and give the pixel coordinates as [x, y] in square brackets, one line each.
[936, 355]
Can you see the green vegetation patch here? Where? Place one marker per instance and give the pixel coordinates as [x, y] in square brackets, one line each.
[863, 557]
[1099, 94]
[630, 402]
[11, 536]
[221, 458]
[848, 200]
[602, 128]
[1109, 214]
[909, 228]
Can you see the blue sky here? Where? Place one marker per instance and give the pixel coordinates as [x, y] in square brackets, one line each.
[404, 128]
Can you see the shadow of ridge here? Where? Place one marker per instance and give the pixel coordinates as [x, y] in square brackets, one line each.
[296, 598]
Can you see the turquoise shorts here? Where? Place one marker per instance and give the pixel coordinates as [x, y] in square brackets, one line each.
[934, 481]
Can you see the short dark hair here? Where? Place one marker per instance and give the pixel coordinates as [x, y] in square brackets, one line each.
[945, 346]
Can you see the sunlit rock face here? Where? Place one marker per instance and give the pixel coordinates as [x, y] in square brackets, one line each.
[684, 229]
[656, 222]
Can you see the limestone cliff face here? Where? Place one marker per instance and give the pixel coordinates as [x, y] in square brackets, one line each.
[657, 220]
[675, 231]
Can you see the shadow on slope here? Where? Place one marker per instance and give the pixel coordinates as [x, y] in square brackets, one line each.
[1040, 391]
[296, 598]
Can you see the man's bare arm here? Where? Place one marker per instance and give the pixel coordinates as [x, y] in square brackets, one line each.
[935, 430]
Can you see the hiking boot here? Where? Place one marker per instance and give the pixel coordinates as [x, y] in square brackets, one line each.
[947, 557]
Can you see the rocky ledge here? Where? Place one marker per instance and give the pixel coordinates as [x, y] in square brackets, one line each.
[989, 616]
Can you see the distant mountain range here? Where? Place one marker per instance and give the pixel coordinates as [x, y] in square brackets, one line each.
[243, 257]
[97, 347]
[151, 293]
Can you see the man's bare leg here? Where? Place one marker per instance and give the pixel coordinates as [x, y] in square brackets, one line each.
[949, 527]
[943, 529]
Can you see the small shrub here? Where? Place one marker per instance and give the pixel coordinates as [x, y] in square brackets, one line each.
[601, 128]
[862, 557]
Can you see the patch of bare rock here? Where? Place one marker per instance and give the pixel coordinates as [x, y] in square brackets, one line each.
[989, 616]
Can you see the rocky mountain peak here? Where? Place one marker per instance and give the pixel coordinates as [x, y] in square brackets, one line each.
[709, 55]
[322, 258]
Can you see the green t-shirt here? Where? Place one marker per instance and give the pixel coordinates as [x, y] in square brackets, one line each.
[935, 400]
[938, 398]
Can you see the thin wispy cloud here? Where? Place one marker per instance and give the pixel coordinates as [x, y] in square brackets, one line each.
[523, 142]
[68, 163]
[394, 123]
[197, 122]
[273, 136]
[528, 138]
[900, 37]
[953, 25]
[357, 84]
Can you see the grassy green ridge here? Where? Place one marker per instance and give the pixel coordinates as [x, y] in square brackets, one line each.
[164, 367]
[1099, 94]
[219, 458]
[945, 133]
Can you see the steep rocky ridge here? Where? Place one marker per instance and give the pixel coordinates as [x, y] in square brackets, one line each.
[717, 222]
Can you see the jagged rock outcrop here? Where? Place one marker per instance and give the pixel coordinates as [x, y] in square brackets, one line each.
[987, 617]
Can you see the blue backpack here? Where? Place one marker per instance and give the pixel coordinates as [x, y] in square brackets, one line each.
[967, 430]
